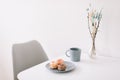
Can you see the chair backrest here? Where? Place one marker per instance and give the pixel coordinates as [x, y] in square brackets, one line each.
[26, 55]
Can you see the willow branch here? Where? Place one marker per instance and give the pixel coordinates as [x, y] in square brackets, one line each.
[89, 26]
[98, 23]
[99, 20]
[97, 27]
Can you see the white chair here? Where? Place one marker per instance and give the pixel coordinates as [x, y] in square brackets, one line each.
[26, 55]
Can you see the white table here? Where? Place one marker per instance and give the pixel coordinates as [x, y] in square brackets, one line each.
[101, 68]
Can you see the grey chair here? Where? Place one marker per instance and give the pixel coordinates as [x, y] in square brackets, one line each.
[26, 55]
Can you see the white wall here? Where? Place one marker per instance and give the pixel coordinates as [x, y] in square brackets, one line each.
[58, 25]
[111, 26]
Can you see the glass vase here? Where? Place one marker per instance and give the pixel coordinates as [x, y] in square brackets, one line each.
[92, 51]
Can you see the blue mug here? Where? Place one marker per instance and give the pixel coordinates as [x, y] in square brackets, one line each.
[74, 54]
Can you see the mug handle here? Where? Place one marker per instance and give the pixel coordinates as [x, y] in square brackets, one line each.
[66, 53]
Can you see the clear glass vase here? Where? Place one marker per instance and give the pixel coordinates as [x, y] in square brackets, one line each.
[92, 51]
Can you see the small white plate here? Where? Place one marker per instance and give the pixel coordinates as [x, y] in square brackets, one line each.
[69, 67]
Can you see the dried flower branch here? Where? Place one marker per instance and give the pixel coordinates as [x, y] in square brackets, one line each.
[94, 19]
